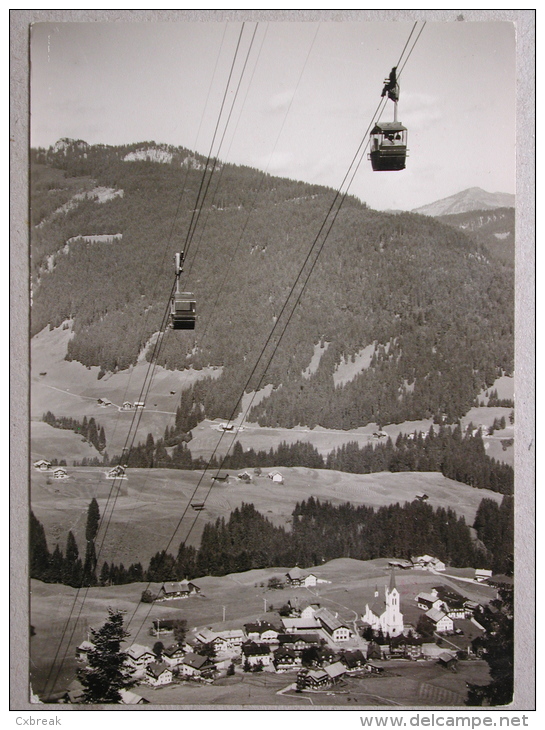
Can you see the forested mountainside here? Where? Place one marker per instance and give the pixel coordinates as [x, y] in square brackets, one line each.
[431, 304]
[494, 229]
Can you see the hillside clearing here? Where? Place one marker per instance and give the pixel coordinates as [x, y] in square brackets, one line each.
[152, 509]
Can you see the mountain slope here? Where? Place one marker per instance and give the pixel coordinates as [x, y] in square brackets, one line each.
[470, 199]
[494, 229]
[436, 312]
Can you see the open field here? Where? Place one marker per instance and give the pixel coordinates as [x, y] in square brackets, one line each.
[348, 585]
[149, 511]
[71, 389]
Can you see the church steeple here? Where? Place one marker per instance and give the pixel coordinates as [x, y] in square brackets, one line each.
[392, 580]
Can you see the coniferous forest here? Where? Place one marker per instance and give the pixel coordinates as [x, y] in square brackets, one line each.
[320, 532]
[434, 306]
[457, 455]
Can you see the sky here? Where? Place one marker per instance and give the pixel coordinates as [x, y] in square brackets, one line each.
[294, 99]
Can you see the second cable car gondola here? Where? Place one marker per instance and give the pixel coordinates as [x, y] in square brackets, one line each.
[183, 309]
[388, 140]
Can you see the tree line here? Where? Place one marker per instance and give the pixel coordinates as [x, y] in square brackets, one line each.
[456, 454]
[320, 531]
[91, 431]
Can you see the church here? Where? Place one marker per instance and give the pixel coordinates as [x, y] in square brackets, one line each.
[384, 613]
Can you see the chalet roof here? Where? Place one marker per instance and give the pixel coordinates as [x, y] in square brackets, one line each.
[435, 614]
[206, 636]
[402, 640]
[329, 620]
[86, 646]
[294, 638]
[172, 650]
[295, 574]
[336, 670]
[180, 586]
[353, 658]
[284, 651]
[318, 674]
[298, 624]
[157, 668]
[259, 627]
[253, 649]
[230, 634]
[131, 698]
[195, 660]
[428, 597]
[446, 656]
[135, 651]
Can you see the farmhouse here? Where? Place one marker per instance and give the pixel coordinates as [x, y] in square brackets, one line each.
[229, 640]
[222, 640]
[60, 473]
[126, 406]
[138, 657]
[353, 660]
[245, 476]
[128, 697]
[428, 562]
[42, 465]
[447, 659]
[384, 614]
[312, 678]
[173, 655]
[83, 650]
[335, 671]
[261, 631]
[429, 600]
[285, 659]
[158, 674]
[408, 647]
[118, 472]
[299, 642]
[403, 564]
[177, 589]
[221, 476]
[195, 665]
[296, 578]
[276, 476]
[331, 624]
[104, 402]
[254, 653]
[441, 622]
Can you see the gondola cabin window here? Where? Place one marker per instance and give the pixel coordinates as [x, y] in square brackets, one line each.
[183, 312]
[388, 145]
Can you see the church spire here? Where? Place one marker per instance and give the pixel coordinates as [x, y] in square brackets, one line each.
[392, 581]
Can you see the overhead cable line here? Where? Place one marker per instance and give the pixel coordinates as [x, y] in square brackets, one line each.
[333, 211]
[129, 443]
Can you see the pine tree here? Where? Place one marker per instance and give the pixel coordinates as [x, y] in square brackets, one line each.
[38, 551]
[107, 671]
[93, 521]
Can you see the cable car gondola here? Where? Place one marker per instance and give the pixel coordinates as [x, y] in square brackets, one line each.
[388, 140]
[183, 307]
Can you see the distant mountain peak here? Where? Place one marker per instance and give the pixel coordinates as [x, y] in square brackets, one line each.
[470, 199]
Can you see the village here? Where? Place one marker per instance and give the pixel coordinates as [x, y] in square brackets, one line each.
[311, 646]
